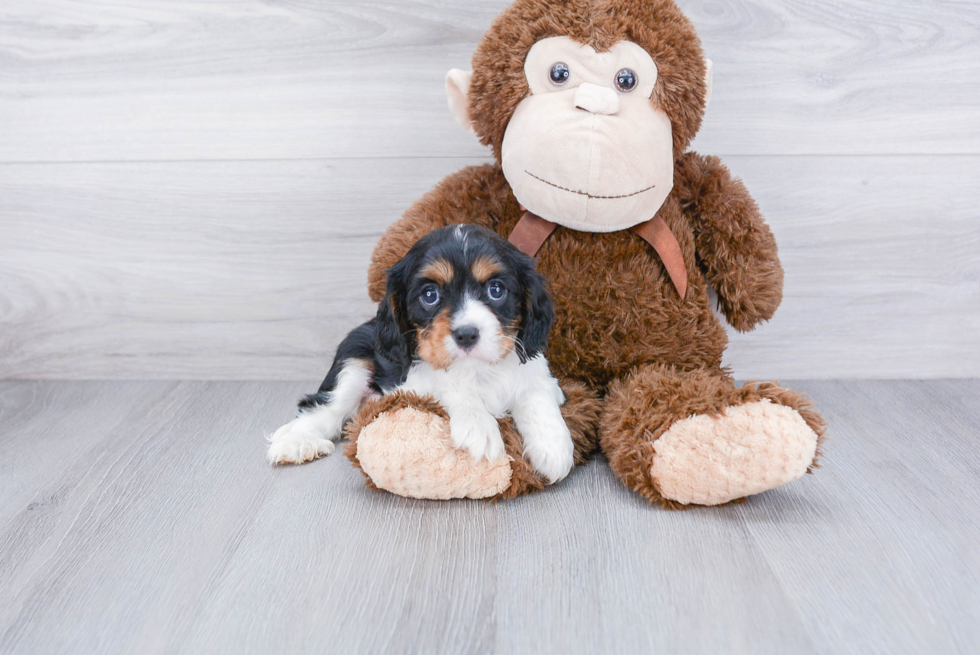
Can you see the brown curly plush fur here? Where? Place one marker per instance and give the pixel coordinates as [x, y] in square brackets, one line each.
[615, 306]
[616, 310]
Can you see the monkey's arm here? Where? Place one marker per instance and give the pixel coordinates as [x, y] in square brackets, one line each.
[470, 195]
[736, 250]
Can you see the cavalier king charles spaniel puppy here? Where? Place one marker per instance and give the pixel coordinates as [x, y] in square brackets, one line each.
[465, 319]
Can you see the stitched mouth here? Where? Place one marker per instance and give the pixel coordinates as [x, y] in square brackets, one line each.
[589, 195]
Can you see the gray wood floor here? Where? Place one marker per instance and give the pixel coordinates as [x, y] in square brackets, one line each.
[141, 517]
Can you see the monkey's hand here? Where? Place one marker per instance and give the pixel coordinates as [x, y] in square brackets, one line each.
[736, 249]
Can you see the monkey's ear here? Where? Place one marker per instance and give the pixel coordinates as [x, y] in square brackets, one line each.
[709, 79]
[457, 90]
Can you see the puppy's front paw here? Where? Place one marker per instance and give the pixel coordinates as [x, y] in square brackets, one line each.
[477, 432]
[548, 446]
[296, 442]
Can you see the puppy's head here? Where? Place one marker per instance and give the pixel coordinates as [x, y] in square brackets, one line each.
[463, 293]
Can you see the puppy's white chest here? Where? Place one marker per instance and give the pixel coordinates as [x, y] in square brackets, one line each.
[496, 392]
[491, 386]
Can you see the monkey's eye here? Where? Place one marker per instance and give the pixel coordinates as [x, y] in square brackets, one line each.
[626, 80]
[559, 74]
[496, 291]
[429, 296]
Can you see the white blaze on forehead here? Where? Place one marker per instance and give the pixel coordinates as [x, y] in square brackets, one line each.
[460, 234]
[473, 313]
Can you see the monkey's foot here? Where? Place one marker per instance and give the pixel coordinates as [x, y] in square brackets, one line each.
[692, 438]
[749, 449]
[402, 444]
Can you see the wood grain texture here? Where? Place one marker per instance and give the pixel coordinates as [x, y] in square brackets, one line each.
[236, 269]
[192, 190]
[145, 519]
[155, 80]
[255, 270]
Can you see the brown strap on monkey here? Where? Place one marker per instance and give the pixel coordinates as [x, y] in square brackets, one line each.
[657, 233]
[532, 231]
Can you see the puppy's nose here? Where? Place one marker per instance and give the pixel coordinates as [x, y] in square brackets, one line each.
[466, 336]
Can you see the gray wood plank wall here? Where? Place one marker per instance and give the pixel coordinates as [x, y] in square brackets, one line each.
[192, 190]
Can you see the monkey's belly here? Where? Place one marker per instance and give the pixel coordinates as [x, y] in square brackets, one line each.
[615, 308]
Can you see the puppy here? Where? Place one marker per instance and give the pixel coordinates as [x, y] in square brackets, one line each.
[465, 319]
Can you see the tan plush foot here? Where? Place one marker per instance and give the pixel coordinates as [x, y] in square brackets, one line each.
[749, 449]
[409, 452]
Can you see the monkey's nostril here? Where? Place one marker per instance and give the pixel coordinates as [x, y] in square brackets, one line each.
[466, 336]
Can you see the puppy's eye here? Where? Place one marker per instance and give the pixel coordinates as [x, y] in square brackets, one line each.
[496, 291]
[626, 80]
[429, 296]
[559, 74]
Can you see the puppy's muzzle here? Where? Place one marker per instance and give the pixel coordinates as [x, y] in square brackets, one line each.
[466, 336]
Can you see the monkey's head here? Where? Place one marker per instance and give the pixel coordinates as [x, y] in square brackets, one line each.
[586, 104]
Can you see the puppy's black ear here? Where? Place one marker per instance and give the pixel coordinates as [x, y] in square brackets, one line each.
[539, 313]
[392, 330]
[389, 329]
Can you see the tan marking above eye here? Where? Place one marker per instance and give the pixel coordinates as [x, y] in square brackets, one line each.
[439, 271]
[485, 267]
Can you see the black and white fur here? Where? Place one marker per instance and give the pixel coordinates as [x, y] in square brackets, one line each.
[476, 345]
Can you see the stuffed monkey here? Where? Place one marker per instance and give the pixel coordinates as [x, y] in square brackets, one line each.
[589, 107]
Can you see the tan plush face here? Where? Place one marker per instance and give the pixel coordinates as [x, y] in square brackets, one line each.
[588, 149]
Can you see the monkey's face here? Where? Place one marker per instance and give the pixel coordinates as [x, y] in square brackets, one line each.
[588, 149]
